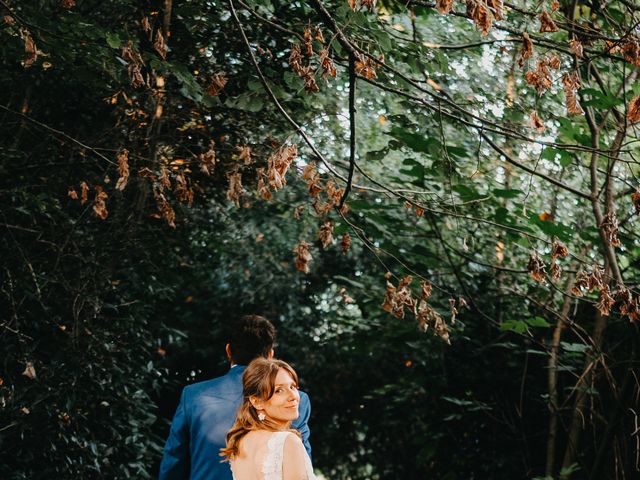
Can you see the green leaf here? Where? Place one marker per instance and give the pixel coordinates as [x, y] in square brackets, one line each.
[466, 193]
[377, 154]
[416, 141]
[550, 228]
[190, 87]
[113, 39]
[538, 322]
[517, 326]
[554, 154]
[574, 347]
[506, 192]
[600, 99]
[246, 101]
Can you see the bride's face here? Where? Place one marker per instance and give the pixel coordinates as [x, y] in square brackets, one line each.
[283, 404]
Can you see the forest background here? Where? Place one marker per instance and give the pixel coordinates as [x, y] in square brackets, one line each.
[436, 203]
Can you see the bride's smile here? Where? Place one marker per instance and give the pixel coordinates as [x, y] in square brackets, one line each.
[283, 404]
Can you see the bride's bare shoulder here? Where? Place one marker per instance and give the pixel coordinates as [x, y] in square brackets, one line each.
[293, 465]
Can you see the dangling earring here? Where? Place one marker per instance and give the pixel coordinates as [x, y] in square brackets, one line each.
[261, 416]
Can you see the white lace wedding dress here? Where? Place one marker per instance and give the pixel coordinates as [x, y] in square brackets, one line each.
[273, 459]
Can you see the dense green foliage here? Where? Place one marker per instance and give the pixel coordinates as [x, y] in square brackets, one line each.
[141, 142]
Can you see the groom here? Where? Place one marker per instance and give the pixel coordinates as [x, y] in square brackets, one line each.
[208, 409]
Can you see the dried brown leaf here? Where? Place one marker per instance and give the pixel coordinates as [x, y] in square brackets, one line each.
[295, 58]
[30, 49]
[84, 195]
[610, 227]
[369, 4]
[605, 302]
[217, 84]
[536, 268]
[99, 204]
[345, 243]
[208, 159]
[536, 122]
[244, 154]
[123, 169]
[571, 84]
[546, 23]
[527, 49]
[633, 111]
[325, 234]
[328, 68]
[580, 285]
[160, 45]
[425, 289]
[235, 190]
[308, 42]
[303, 256]
[365, 66]
[145, 24]
[444, 6]
[576, 47]
[496, 8]
[540, 78]
[559, 249]
[555, 270]
[29, 371]
[635, 199]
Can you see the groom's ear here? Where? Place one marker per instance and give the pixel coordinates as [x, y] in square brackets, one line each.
[271, 354]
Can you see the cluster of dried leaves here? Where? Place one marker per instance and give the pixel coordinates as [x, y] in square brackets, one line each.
[400, 297]
[546, 23]
[123, 169]
[366, 66]
[368, 4]
[595, 280]
[135, 64]
[540, 78]
[610, 227]
[633, 111]
[217, 84]
[628, 46]
[303, 256]
[419, 211]
[537, 267]
[301, 56]
[332, 194]
[31, 51]
[208, 159]
[482, 12]
[99, 198]
[161, 183]
[278, 165]
[571, 82]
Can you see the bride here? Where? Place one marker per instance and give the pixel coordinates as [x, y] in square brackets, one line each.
[261, 444]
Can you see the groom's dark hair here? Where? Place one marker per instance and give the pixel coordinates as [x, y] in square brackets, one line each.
[249, 337]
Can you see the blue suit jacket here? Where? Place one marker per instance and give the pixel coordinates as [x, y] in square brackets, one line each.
[206, 412]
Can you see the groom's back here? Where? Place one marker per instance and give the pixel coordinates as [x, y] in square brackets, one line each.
[210, 409]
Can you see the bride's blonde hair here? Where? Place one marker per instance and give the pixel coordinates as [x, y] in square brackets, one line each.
[258, 380]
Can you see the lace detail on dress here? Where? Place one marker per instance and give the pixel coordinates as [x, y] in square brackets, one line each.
[272, 466]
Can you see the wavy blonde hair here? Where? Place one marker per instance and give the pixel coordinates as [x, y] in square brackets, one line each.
[258, 380]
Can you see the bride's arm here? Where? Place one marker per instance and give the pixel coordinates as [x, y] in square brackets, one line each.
[293, 462]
